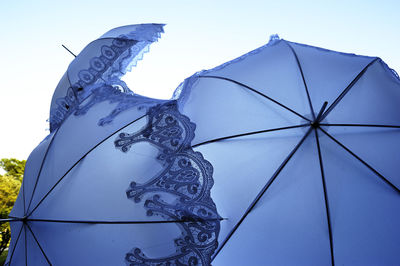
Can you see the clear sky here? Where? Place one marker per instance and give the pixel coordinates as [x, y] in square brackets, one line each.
[198, 35]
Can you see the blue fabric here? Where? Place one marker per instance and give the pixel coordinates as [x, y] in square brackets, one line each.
[287, 155]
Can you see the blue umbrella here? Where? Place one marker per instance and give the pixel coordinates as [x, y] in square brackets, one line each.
[286, 155]
[59, 220]
[88, 197]
[305, 146]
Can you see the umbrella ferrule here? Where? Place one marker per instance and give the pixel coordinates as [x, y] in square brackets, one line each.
[314, 124]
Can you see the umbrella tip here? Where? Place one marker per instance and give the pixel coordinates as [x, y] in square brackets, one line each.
[68, 50]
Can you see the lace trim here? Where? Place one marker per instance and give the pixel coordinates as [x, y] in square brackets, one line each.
[146, 34]
[113, 95]
[183, 89]
[102, 93]
[114, 62]
[187, 176]
[391, 71]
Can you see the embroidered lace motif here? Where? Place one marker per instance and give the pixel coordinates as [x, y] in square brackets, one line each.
[113, 95]
[187, 176]
[112, 63]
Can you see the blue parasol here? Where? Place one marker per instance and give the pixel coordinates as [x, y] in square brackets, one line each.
[88, 198]
[305, 145]
[287, 155]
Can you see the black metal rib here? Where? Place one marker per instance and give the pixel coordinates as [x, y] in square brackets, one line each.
[23, 194]
[40, 247]
[123, 222]
[26, 248]
[358, 125]
[247, 134]
[15, 245]
[346, 90]
[262, 192]
[40, 170]
[13, 219]
[361, 160]
[259, 93]
[10, 220]
[318, 118]
[328, 217]
[304, 80]
[95, 146]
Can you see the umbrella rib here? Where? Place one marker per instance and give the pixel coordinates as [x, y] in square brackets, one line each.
[123, 222]
[11, 219]
[15, 245]
[257, 92]
[26, 247]
[346, 90]
[328, 217]
[40, 247]
[23, 195]
[95, 146]
[359, 125]
[361, 160]
[262, 192]
[40, 169]
[247, 134]
[304, 80]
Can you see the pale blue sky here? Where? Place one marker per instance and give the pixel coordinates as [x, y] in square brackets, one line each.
[198, 35]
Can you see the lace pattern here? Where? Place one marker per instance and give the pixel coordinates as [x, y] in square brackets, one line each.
[112, 94]
[183, 89]
[107, 68]
[187, 176]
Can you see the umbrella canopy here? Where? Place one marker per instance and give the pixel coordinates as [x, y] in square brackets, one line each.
[305, 145]
[284, 156]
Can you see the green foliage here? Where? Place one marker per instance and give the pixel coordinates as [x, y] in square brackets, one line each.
[9, 188]
[13, 167]
[3, 257]
[10, 184]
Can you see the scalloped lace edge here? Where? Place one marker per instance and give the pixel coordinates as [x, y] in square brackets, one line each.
[129, 63]
[121, 66]
[180, 92]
